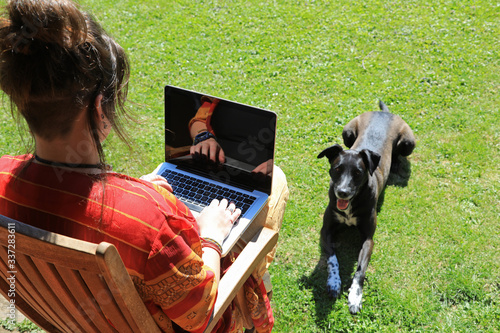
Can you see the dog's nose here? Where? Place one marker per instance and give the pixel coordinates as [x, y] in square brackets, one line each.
[342, 193]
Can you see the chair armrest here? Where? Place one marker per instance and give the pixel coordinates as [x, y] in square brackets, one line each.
[246, 262]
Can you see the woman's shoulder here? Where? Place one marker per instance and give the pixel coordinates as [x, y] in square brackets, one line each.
[8, 159]
[10, 163]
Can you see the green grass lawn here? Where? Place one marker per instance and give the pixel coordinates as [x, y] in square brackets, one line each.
[436, 262]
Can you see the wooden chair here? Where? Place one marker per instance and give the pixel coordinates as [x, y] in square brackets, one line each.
[64, 284]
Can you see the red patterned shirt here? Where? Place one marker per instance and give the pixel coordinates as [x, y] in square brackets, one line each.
[155, 234]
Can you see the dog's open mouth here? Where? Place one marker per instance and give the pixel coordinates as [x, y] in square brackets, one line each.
[342, 204]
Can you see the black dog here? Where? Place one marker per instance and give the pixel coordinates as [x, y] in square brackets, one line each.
[358, 176]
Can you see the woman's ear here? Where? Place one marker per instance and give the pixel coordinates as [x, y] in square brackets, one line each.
[102, 121]
[98, 107]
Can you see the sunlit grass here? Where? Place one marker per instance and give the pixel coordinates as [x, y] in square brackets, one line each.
[435, 266]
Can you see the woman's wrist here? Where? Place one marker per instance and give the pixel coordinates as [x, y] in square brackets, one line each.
[207, 242]
[211, 235]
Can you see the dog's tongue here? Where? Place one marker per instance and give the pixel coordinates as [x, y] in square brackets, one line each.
[342, 204]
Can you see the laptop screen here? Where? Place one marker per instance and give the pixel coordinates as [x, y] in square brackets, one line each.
[246, 135]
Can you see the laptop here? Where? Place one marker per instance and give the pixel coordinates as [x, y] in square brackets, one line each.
[246, 134]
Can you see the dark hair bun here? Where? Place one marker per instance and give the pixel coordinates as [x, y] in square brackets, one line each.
[35, 24]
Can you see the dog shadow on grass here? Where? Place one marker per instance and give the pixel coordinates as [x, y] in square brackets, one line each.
[347, 246]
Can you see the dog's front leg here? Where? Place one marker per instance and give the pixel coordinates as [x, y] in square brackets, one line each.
[333, 283]
[356, 291]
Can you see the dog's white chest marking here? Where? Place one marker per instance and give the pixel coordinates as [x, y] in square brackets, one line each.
[348, 219]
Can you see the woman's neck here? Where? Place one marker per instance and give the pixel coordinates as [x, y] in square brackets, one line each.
[77, 147]
[79, 152]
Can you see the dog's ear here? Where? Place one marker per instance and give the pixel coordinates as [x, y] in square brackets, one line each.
[331, 152]
[371, 160]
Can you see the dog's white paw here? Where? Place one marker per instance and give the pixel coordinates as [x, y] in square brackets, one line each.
[333, 283]
[355, 298]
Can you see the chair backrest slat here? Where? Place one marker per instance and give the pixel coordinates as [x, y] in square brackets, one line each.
[21, 303]
[76, 317]
[83, 300]
[46, 297]
[25, 289]
[105, 301]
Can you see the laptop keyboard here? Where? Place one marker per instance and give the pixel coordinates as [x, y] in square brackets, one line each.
[197, 194]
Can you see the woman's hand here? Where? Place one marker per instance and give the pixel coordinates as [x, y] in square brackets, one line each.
[158, 180]
[216, 220]
[209, 149]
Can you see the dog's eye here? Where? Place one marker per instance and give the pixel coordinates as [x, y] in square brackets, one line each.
[357, 172]
[337, 169]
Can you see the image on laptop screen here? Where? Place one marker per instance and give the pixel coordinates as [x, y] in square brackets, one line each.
[246, 135]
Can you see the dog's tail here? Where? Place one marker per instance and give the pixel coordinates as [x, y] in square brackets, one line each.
[382, 106]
